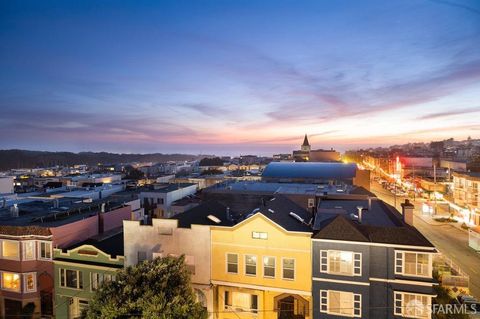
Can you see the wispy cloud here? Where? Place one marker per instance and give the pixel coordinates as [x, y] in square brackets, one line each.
[449, 113]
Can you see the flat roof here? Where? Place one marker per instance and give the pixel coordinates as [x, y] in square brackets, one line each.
[167, 188]
[282, 188]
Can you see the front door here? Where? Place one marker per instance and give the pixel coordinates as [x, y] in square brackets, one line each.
[286, 308]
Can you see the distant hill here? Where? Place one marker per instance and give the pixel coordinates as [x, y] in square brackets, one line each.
[32, 159]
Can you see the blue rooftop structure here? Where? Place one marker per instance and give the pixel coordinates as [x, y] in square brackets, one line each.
[309, 171]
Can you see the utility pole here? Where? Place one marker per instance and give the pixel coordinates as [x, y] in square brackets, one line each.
[435, 187]
[414, 185]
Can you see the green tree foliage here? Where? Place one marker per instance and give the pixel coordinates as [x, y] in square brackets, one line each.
[153, 289]
[214, 161]
[212, 171]
[133, 173]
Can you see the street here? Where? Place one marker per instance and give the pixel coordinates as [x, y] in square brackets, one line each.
[449, 240]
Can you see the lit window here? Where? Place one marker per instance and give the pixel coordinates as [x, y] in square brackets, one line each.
[413, 264]
[30, 282]
[11, 281]
[71, 278]
[340, 303]
[412, 305]
[29, 250]
[232, 263]
[45, 250]
[346, 263]
[11, 249]
[269, 267]
[239, 301]
[288, 268]
[259, 235]
[251, 265]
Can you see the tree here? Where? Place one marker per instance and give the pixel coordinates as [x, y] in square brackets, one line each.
[133, 173]
[152, 289]
[214, 161]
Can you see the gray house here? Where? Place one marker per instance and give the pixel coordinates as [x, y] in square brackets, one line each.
[369, 262]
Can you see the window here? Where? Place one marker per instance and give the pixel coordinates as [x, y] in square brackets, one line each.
[11, 249]
[141, 256]
[288, 268]
[11, 281]
[346, 263]
[232, 263]
[45, 250]
[341, 303]
[259, 235]
[269, 267]
[30, 282]
[413, 264]
[71, 278]
[251, 265]
[239, 301]
[412, 305]
[96, 279]
[29, 250]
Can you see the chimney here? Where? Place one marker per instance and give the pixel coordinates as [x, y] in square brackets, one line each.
[369, 203]
[407, 212]
[360, 209]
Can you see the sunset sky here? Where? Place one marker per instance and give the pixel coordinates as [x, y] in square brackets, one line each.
[231, 77]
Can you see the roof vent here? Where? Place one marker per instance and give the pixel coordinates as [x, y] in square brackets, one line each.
[300, 219]
[214, 219]
[359, 209]
[271, 210]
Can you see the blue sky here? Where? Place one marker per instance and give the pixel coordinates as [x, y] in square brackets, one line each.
[234, 77]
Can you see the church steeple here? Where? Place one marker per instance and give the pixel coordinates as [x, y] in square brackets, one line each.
[305, 141]
[305, 146]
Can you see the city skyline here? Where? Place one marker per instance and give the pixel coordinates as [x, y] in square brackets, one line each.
[230, 77]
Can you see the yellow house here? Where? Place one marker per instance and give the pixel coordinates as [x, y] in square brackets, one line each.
[261, 267]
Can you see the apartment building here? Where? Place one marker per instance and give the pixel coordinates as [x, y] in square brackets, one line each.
[28, 233]
[158, 199]
[188, 234]
[255, 273]
[369, 262]
[80, 269]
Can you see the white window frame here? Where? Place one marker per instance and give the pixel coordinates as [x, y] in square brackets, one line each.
[399, 265]
[274, 266]
[325, 263]
[226, 264]
[325, 307]
[40, 242]
[25, 287]
[9, 289]
[24, 244]
[399, 309]
[18, 243]
[245, 265]
[79, 275]
[259, 235]
[294, 268]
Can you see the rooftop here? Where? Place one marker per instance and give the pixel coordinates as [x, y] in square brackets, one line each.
[282, 188]
[234, 208]
[52, 212]
[110, 243]
[167, 187]
[338, 220]
[310, 170]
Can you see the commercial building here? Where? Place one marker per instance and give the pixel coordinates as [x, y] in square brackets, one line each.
[466, 193]
[317, 173]
[6, 184]
[81, 269]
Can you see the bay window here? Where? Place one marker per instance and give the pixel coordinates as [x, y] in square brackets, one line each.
[413, 264]
[11, 281]
[412, 305]
[71, 278]
[11, 249]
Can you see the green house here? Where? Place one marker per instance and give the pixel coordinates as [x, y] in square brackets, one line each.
[81, 269]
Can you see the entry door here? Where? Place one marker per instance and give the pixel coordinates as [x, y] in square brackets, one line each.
[75, 307]
[287, 306]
